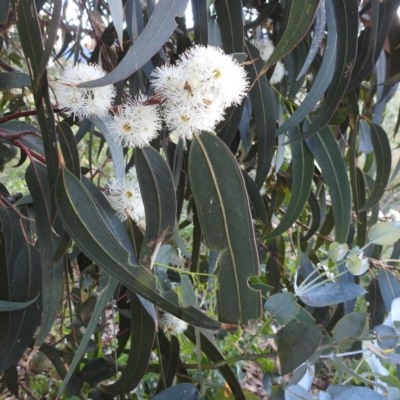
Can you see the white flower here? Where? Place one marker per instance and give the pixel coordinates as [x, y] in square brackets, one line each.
[136, 124]
[279, 73]
[173, 325]
[83, 102]
[125, 197]
[215, 73]
[197, 90]
[266, 48]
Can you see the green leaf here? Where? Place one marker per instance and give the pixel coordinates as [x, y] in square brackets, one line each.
[11, 80]
[4, 6]
[69, 148]
[263, 103]
[117, 15]
[200, 10]
[326, 152]
[19, 283]
[13, 305]
[92, 227]
[52, 273]
[345, 13]
[283, 307]
[300, 17]
[226, 224]
[143, 330]
[296, 344]
[230, 21]
[322, 80]
[169, 355]
[256, 200]
[381, 20]
[157, 31]
[384, 233]
[158, 192]
[303, 170]
[383, 161]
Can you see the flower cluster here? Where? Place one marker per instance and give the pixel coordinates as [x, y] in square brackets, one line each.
[125, 197]
[197, 90]
[84, 102]
[136, 124]
[266, 48]
[173, 325]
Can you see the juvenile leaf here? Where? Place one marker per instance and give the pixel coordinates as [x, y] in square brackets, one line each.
[384, 233]
[385, 330]
[337, 392]
[332, 293]
[158, 192]
[383, 160]
[91, 227]
[283, 307]
[155, 34]
[296, 344]
[350, 326]
[301, 16]
[183, 391]
[226, 224]
[389, 287]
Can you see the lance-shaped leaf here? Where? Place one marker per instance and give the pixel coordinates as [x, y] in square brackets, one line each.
[227, 226]
[303, 170]
[157, 31]
[262, 100]
[142, 338]
[300, 17]
[19, 283]
[383, 160]
[158, 192]
[90, 224]
[326, 152]
[52, 272]
[346, 16]
[322, 80]
[15, 305]
[11, 80]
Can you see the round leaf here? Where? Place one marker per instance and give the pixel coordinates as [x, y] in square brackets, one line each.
[385, 233]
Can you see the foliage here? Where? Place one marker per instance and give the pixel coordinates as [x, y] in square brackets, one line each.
[263, 239]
